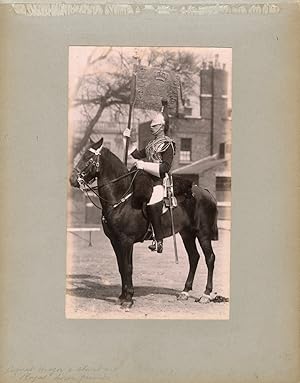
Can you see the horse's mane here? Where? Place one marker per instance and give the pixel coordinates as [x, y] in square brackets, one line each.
[113, 162]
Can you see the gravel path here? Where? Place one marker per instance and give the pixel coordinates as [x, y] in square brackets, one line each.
[93, 281]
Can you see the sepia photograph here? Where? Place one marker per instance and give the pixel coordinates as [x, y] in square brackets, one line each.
[150, 199]
[149, 183]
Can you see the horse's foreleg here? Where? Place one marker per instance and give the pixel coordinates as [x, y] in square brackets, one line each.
[210, 262]
[128, 268]
[190, 246]
[119, 255]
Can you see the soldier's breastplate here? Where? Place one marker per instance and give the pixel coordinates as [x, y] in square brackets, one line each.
[153, 156]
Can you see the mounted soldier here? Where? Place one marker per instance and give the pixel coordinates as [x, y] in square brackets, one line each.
[158, 155]
[126, 224]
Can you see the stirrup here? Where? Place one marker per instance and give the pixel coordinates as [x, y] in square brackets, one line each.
[156, 246]
[152, 247]
[159, 245]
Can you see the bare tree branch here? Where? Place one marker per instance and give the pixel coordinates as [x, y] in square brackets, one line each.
[87, 101]
[89, 130]
[99, 88]
[99, 58]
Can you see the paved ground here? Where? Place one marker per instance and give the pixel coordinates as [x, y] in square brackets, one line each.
[93, 281]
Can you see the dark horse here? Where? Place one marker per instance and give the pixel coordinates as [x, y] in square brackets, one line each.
[124, 225]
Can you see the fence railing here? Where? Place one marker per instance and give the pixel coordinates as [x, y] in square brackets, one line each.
[90, 230]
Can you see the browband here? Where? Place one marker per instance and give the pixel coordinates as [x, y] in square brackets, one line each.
[96, 151]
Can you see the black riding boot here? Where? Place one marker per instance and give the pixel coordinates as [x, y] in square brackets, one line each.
[154, 213]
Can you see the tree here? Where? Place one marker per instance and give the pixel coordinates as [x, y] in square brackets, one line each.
[106, 80]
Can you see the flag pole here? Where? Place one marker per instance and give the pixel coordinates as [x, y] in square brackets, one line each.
[170, 197]
[170, 187]
[131, 106]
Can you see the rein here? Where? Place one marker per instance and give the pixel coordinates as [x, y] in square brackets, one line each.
[119, 178]
[114, 204]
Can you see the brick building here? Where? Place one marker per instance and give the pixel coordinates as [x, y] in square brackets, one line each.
[203, 143]
[202, 137]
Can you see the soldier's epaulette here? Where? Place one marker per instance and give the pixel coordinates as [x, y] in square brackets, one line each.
[166, 145]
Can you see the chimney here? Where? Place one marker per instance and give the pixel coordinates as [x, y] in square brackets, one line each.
[213, 83]
[214, 99]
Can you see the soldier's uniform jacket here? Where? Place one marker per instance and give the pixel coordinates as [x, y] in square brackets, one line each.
[160, 150]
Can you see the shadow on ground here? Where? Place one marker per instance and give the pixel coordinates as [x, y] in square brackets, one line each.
[84, 286]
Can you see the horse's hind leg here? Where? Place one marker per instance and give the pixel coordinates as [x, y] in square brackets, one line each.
[210, 262]
[190, 246]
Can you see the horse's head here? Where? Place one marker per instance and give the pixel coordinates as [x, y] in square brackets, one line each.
[88, 166]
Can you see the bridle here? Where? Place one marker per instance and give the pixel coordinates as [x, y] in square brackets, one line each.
[85, 185]
[93, 161]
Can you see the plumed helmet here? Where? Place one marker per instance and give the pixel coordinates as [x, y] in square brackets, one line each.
[158, 120]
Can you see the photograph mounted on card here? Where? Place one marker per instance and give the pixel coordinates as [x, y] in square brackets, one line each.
[149, 195]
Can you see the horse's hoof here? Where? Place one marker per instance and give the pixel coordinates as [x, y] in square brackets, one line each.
[126, 305]
[120, 300]
[204, 299]
[183, 296]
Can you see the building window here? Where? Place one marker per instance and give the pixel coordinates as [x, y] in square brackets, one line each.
[223, 188]
[185, 150]
[222, 150]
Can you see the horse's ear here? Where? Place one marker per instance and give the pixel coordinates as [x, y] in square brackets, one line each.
[99, 143]
[92, 142]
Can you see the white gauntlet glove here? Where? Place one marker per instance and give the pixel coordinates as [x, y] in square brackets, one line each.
[127, 133]
[132, 146]
[140, 164]
[149, 167]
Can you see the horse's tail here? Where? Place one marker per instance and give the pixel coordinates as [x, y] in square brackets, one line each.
[206, 213]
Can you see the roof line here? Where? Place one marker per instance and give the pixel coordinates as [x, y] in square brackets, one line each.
[202, 160]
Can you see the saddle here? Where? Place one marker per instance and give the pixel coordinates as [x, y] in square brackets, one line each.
[142, 191]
